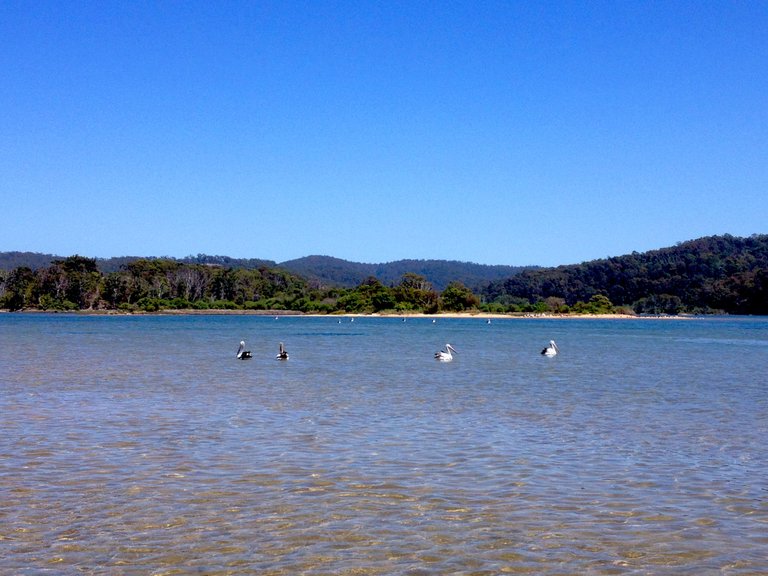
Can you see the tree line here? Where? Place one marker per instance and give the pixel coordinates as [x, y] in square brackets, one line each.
[151, 285]
[75, 283]
[325, 269]
[718, 274]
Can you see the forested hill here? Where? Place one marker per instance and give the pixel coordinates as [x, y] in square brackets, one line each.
[115, 264]
[325, 270]
[35, 261]
[32, 260]
[715, 273]
[439, 273]
[712, 274]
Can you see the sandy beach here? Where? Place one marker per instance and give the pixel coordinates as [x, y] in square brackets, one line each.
[278, 313]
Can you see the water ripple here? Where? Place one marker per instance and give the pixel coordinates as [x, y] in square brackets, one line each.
[619, 456]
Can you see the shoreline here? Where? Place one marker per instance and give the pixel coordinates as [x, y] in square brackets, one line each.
[404, 316]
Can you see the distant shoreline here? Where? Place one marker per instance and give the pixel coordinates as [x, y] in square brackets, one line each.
[405, 316]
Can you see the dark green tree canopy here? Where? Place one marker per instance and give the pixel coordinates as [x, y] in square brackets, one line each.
[713, 274]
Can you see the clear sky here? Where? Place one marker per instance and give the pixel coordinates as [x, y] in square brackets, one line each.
[493, 132]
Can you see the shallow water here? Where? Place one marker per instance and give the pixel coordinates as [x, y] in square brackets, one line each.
[140, 445]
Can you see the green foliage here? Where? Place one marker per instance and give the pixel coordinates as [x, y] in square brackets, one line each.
[115, 290]
[494, 308]
[415, 293]
[659, 304]
[150, 304]
[457, 298]
[223, 305]
[179, 304]
[47, 302]
[18, 289]
[598, 304]
[330, 271]
[352, 301]
[717, 273]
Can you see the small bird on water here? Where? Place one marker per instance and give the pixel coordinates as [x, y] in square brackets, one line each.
[242, 353]
[551, 349]
[445, 355]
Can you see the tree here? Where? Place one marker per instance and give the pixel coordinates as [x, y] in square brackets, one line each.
[600, 304]
[115, 289]
[658, 304]
[82, 280]
[456, 298]
[18, 287]
[382, 298]
[415, 293]
[555, 304]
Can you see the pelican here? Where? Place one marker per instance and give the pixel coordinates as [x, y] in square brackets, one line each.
[283, 354]
[242, 353]
[445, 355]
[551, 349]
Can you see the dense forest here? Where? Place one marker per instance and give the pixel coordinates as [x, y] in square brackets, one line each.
[712, 274]
[323, 269]
[35, 261]
[717, 274]
[75, 283]
[440, 273]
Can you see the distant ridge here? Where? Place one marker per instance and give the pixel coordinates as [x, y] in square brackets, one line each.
[708, 272]
[326, 270]
[713, 274]
[439, 273]
[35, 261]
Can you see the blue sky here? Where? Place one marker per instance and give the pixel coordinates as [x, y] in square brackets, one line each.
[493, 132]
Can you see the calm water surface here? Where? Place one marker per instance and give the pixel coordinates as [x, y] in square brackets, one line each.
[140, 445]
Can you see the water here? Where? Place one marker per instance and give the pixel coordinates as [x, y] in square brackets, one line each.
[140, 445]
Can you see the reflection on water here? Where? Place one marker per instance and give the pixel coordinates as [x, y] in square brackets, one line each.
[141, 446]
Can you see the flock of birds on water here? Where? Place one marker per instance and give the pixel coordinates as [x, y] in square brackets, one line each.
[441, 356]
[243, 354]
[446, 355]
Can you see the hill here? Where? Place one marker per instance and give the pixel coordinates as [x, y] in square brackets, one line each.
[324, 270]
[714, 273]
[35, 261]
[439, 273]
[711, 274]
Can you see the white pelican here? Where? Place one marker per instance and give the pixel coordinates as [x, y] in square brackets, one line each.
[242, 353]
[551, 349]
[283, 354]
[445, 355]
